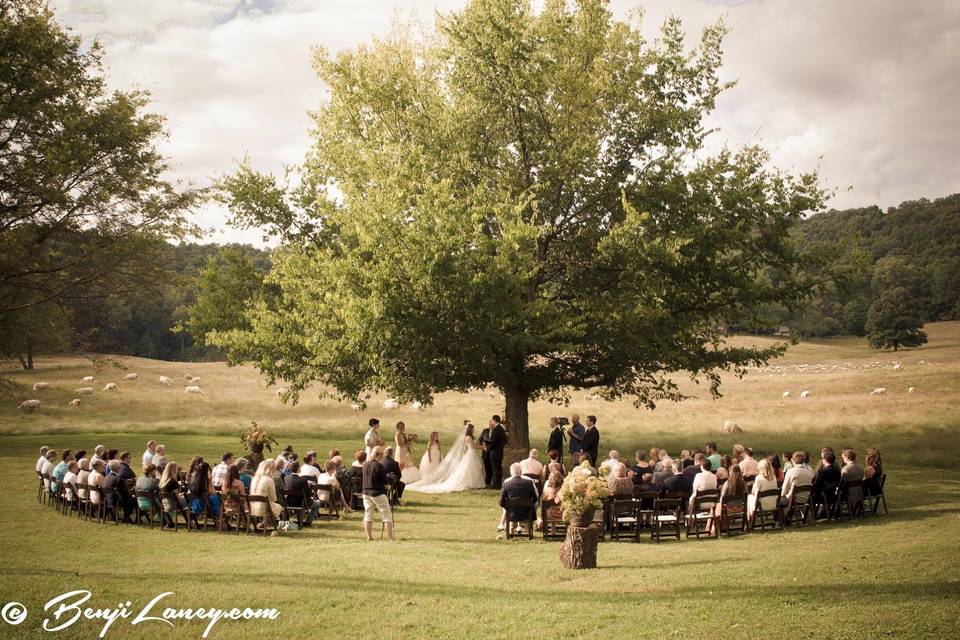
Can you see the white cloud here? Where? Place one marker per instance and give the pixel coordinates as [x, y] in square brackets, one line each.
[865, 90]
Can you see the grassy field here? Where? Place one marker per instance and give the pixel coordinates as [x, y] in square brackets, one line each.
[449, 576]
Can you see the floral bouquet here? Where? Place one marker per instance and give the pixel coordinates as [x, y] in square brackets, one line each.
[583, 492]
[257, 435]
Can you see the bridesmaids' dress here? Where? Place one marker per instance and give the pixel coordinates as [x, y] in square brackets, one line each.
[431, 459]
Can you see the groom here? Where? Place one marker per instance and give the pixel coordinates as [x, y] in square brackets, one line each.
[487, 467]
[498, 440]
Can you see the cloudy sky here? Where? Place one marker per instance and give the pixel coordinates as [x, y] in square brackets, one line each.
[866, 90]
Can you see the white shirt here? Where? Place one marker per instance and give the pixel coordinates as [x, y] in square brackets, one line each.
[69, 477]
[95, 479]
[703, 481]
[612, 465]
[326, 478]
[40, 462]
[83, 477]
[309, 471]
[47, 469]
[147, 457]
[798, 474]
[531, 465]
[749, 466]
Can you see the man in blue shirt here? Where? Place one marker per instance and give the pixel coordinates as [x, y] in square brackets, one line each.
[576, 433]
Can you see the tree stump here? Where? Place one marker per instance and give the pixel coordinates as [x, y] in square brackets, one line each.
[579, 550]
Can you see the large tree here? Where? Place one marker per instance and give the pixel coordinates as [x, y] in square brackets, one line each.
[84, 202]
[523, 200]
[895, 320]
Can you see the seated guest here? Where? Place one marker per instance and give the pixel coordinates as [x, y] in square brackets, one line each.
[83, 477]
[42, 459]
[827, 472]
[309, 467]
[60, 470]
[551, 493]
[748, 466]
[115, 490]
[666, 471]
[735, 491]
[518, 488]
[329, 476]
[703, 481]
[613, 463]
[243, 470]
[619, 483]
[232, 485]
[70, 480]
[264, 484]
[585, 465]
[641, 467]
[555, 464]
[393, 468]
[126, 472]
[786, 460]
[358, 459]
[148, 482]
[696, 467]
[200, 488]
[764, 481]
[774, 461]
[713, 455]
[665, 458]
[737, 454]
[872, 472]
[149, 454]
[851, 471]
[655, 460]
[686, 459]
[170, 485]
[95, 481]
[530, 466]
[49, 464]
[160, 458]
[647, 484]
[99, 453]
[219, 473]
[723, 472]
[333, 454]
[800, 473]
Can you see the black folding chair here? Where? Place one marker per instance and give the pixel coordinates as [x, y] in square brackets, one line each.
[233, 507]
[702, 516]
[624, 516]
[666, 519]
[152, 512]
[733, 515]
[874, 497]
[172, 509]
[268, 520]
[553, 528]
[519, 504]
[800, 506]
[765, 519]
[851, 498]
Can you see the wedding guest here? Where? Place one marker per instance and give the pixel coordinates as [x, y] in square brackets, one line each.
[126, 473]
[358, 461]
[243, 470]
[800, 473]
[591, 440]
[342, 474]
[786, 461]
[42, 459]
[713, 455]
[647, 484]
[774, 461]
[518, 488]
[678, 482]
[613, 463]
[530, 466]
[309, 467]
[696, 467]
[83, 476]
[329, 476]
[203, 496]
[765, 481]
[220, 471]
[298, 493]
[655, 460]
[148, 482]
[747, 463]
[115, 488]
[723, 472]
[851, 471]
[70, 480]
[264, 484]
[665, 458]
[641, 467]
[233, 485]
[95, 481]
[375, 494]
[575, 433]
[551, 494]
[149, 454]
[48, 466]
[160, 458]
[619, 483]
[170, 485]
[735, 490]
[333, 454]
[686, 459]
[704, 481]
[557, 436]
[99, 453]
[56, 477]
[872, 472]
[737, 454]
[827, 473]
[666, 471]
[555, 464]
[393, 468]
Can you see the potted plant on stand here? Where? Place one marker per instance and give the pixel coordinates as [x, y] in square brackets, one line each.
[582, 494]
[255, 438]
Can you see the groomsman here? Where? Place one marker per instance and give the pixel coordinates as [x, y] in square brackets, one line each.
[498, 440]
[487, 467]
[555, 443]
[591, 440]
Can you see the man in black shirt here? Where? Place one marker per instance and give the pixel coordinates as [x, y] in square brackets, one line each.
[555, 443]
[393, 467]
[591, 440]
[299, 495]
[375, 494]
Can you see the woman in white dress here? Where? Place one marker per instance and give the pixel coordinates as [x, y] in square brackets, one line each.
[408, 471]
[432, 456]
[461, 470]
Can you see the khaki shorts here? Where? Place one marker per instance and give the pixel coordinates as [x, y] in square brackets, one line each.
[381, 503]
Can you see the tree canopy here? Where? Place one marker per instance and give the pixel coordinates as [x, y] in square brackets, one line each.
[523, 200]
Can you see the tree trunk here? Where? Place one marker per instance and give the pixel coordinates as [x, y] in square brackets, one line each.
[518, 420]
[30, 355]
[579, 550]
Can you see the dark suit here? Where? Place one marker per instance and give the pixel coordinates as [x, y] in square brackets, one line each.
[591, 443]
[691, 471]
[556, 440]
[678, 482]
[392, 466]
[487, 467]
[498, 440]
[516, 488]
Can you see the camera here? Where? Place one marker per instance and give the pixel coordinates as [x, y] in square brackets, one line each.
[563, 421]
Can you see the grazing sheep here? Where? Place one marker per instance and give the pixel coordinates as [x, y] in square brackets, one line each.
[40, 386]
[416, 405]
[730, 426]
[30, 405]
[165, 381]
[110, 386]
[87, 379]
[75, 402]
[910, 390]
[391, 403]
[187, 376]
[84, 391]
[804, 394]
[131, 376]
[879, 391]
[355, 406]
[785, 394]
[898, 366]
[194, 381]
[281, 391]
[194, 389]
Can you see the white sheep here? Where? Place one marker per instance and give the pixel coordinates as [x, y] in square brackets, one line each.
[416, 405]
[730, 426]
[131, 376]
[75, 402]
[910, 390]
[194, 389]
[879, 391]
[40, 386]
[87, 379]
[785, 394]
[804, 394]
[110, 386]
[187, 376]
[281, 391]
[355, 406]
[84, 391]
[165, 381]
[590, 397]
[391, 403]
[30, 405]
[194, 381]
[897, 367]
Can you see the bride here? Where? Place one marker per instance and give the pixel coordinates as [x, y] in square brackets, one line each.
[460, 470]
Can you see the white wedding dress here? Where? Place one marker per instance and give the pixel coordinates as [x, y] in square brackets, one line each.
[460, 470]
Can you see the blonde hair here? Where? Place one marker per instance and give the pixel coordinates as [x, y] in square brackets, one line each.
[170, 472]
[765, 469]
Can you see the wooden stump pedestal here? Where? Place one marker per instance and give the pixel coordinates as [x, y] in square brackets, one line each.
[579, 550]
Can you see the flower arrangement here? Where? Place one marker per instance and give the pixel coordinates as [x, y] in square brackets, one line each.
[583, 491]
[257, 435]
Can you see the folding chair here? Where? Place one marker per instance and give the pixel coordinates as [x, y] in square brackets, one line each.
[702, 517]
[553, 528]
[768, 519]
[666, 517]
[851, 497]
[41, 489]
[521, 503]
[645, 500]
[109, 504]
[85, 505]
[800, 503]
[828, 501]
[152, 512]
[207, 511]
[74, 502]
[356, 493]
[330, 503]
[733, 515]
[875, 497]
[624, 515]
[267, 519]
[237, 510]
[297, 503]
[173, 509]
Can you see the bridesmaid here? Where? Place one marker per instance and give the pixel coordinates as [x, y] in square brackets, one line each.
[432, 456]
[404, 457]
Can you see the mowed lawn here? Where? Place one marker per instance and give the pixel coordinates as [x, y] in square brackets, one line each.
[449, 576]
